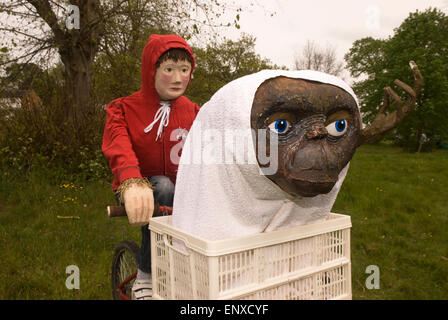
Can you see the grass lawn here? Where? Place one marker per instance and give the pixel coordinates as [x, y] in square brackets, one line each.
[37, 246]
[398, 205]
[397, 202]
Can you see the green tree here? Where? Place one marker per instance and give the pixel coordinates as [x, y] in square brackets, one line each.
[220, 63]
[76, 31]
[20, 77]
[422, 37]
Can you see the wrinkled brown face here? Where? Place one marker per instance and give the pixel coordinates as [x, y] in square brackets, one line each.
[317, 126]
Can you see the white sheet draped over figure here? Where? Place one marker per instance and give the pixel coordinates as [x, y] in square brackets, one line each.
[220, 191]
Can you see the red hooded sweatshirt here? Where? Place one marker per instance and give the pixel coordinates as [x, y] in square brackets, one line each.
[130, 151]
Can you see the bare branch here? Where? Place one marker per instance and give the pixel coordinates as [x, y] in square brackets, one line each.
[45, 11]
[103, 17]
[25, 14]
[57, 5]
[33, 53]
[15, 31]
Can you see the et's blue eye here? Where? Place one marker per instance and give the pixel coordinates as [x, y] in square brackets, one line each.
[337, 128]
[280, 126]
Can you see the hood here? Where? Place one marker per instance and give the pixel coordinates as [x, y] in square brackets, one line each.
[156, 46]
[233, 198]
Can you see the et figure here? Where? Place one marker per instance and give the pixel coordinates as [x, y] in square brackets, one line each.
[315, 121]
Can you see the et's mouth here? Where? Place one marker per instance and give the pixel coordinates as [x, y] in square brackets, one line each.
[306, 188]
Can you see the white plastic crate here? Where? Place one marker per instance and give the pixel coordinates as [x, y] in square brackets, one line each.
[304, 262]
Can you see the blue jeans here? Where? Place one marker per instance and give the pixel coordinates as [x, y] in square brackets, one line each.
[163, 191]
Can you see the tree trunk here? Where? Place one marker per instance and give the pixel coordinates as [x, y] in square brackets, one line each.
[77, 54]
[78, 83]
[78, 46]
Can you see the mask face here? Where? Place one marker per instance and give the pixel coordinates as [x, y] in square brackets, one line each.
[317, 127]
[172, 78]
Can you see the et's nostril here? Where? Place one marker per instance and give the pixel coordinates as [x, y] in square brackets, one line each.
[316, 132]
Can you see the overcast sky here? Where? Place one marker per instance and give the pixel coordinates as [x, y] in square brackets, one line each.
[327, 22]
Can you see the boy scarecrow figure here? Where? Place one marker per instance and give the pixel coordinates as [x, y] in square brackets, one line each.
[140, 133]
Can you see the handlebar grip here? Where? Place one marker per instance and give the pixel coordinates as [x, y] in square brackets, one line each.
[116, 211]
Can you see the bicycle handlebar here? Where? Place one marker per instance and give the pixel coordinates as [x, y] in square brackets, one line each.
[120, 211]
[116, 211]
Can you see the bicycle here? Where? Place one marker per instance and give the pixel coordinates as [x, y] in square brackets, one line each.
[125, 259]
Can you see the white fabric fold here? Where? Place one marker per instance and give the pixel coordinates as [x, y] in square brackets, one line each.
[163, 114]
[218, 200]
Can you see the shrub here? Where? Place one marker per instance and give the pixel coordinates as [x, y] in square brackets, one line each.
[38, 137]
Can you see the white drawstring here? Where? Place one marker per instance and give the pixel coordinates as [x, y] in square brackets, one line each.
[163, 114]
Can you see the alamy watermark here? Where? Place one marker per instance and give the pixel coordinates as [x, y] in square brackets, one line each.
[72, 281]
[373, 14]
[373, 281]
[73, 18]
[230, 146]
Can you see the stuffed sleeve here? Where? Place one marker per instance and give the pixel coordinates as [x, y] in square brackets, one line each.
[117, 146]
[196, 108]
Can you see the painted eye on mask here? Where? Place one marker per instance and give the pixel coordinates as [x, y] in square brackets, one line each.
[337, 128]
[280, 126]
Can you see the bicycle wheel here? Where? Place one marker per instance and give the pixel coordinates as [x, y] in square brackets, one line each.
[124, 269]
